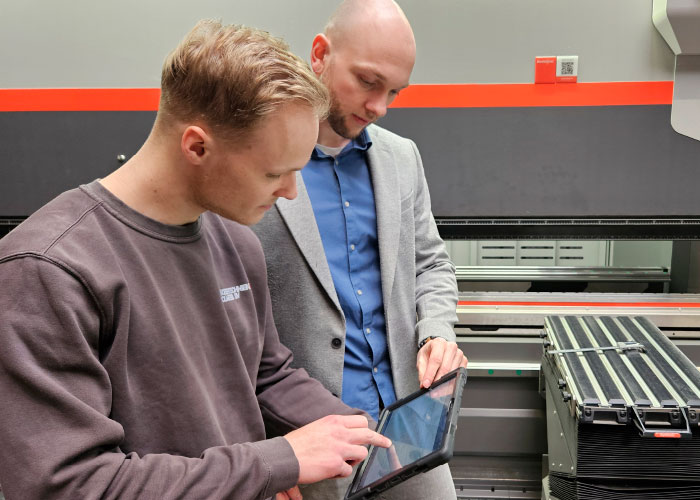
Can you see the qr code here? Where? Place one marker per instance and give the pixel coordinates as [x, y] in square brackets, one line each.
[567, 68]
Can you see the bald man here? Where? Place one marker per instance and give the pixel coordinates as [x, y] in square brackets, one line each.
[363, 291]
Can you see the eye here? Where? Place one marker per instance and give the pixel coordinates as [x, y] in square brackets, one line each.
[273, 176]
[364, 81]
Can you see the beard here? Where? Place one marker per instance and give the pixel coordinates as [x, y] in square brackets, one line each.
[338, 121]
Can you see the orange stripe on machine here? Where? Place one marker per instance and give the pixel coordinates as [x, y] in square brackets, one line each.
[416, 96]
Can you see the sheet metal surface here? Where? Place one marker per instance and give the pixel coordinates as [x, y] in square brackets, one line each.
[523, 309]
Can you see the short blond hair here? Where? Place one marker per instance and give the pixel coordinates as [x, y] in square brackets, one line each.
[231, 77]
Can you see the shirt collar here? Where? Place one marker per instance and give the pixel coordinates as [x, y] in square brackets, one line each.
[362, 143]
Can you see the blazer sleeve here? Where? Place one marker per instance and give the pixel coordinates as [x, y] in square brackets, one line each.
[436, 285]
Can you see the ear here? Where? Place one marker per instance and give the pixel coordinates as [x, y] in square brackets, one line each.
[320, 50]
[195, 144]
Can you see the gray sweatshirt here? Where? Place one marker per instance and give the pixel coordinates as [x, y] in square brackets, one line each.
[141, 360]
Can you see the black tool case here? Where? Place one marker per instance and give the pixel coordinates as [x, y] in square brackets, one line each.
[623, 406]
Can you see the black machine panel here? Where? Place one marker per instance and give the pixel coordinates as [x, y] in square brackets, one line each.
[564, 172]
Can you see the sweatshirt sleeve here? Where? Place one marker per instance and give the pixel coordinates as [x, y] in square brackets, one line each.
[57, 438]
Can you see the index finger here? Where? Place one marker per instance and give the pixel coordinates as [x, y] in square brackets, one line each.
[437, 352]
[378, 440]
[367, 436]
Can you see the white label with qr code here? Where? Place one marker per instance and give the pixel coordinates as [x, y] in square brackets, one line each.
[567, 67]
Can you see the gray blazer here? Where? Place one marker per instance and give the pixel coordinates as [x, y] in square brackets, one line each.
[418, 279]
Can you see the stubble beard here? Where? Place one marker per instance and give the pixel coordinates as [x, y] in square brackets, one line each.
[338, 122]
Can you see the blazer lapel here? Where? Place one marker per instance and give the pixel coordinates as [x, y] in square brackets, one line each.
[299, 217]
[387, 202]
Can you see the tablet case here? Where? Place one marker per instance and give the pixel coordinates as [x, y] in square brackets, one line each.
[434, 459]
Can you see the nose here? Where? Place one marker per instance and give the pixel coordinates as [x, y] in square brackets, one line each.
[288, 189]
[376, 105]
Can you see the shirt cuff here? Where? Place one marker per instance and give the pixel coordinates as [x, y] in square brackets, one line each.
[281, 462]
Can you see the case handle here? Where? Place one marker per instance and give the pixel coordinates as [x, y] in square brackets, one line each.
[663, 432]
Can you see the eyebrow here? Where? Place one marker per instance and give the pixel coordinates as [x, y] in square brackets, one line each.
[402, 87]
[381, 77]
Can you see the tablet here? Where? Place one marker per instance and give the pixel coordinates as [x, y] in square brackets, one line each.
[421, 428]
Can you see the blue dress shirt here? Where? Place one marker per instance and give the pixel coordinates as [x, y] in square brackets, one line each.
[342, 198]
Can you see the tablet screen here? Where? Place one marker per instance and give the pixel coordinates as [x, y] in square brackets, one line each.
[416, 429]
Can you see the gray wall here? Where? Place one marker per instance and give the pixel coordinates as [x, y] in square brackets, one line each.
[87, 43]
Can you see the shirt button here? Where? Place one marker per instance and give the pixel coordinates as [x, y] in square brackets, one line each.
[347, 203]
[336, 343]
[352, 247]
[359, 292]
[368, 331]
[375, 369]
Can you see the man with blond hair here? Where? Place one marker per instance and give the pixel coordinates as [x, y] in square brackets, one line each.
[139, 355]
[363, 291]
